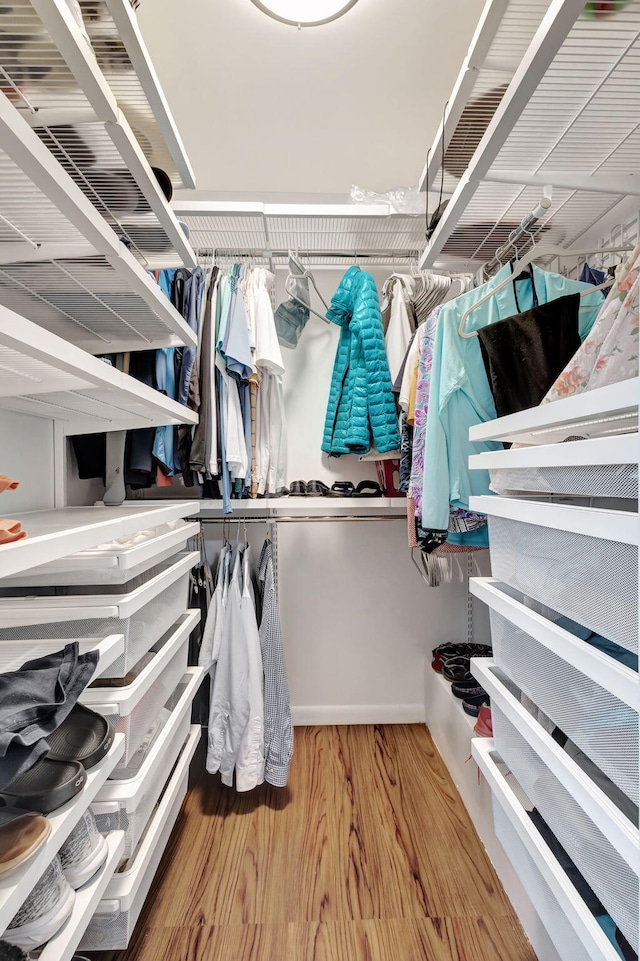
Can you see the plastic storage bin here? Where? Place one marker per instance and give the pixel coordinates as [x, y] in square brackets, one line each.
[590, 579]
[114, 564]
[126, 802]
[133, 708]
[567, 919]
[113, 923]
[606, 872]
[143, 616]
[571, 689]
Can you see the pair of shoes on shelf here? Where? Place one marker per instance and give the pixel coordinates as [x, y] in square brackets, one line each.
[51, 901]
[484, 726]
[453, 660]
[79, 743]
[317, 488]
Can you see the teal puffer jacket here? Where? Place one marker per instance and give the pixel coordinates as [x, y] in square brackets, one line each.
[361, 411]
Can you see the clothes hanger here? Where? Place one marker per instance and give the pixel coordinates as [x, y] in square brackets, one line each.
[520, 265]
[306, 274]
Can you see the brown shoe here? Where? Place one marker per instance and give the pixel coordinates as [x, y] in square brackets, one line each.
[21, 835]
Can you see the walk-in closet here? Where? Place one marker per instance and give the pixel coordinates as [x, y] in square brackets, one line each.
[319, 387]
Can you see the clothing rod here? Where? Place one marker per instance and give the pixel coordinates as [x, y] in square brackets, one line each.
[539, 211]
[309, 254]
[303, 519]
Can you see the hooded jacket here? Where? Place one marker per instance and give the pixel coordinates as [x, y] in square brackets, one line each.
[361, 411]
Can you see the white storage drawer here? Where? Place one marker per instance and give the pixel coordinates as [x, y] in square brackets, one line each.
[112, 925]
[581, 562]
[589, 695]
[126, 802]
[574, 931]
[111, 564]
[142, 616]
[133, 708]
[601, 840]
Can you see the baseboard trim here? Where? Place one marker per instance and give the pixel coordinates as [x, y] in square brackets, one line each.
[358, 714]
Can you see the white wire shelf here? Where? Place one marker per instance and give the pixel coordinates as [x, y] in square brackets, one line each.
[13, 654]
[62, 265]
[105, 131]
[306, 507]
[66, 530]
[15, 887]
[611, 410]
[62, 947]
[328, 233]
[47, 377]
[566, 118]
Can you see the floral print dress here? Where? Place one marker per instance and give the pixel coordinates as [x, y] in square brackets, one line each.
[610, 353]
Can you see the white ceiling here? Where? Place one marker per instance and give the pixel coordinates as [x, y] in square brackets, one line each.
[267, 111]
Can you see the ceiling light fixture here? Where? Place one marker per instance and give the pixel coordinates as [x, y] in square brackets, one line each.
[304, 13]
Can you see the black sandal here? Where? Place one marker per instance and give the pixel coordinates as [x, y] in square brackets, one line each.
[368, 488]
[342, 489]
[298, 489]
[316, 488]
[84, 736]
[46, 786]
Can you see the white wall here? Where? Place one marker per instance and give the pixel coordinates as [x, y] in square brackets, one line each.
[26, 445]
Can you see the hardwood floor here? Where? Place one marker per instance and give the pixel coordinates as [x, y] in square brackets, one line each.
[368, 855]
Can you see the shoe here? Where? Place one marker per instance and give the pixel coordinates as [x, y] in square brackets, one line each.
[298, 489]
[44, 912]
[84, 736]
[342, 489]
[84, 852]
[468, 690]
[473, 704]
[9, 952]
[316, 488]
[22, 833]
[46, 786]
[484, 726]
[368, 488]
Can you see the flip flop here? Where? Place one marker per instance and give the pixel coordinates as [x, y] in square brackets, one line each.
[457, 669]
[47, 786]
[342, 489]
[466, 691]
[473, 704]
[84, 736]
[22, 833]
[368, 488]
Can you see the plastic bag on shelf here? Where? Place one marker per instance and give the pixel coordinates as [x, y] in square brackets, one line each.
[409, 201]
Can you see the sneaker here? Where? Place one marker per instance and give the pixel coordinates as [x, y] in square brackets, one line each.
[44, 912]
[84, 852]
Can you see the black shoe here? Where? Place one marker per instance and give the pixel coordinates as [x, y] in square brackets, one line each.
[298, 489]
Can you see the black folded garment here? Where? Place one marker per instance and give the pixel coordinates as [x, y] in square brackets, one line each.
[34, 701]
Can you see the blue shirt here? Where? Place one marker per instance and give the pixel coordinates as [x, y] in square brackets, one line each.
[460, 396]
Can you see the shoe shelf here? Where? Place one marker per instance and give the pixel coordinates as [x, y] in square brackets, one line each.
[308, 507]
[16, 886]
[114, 921]
[611, 410]
[555, 766]
[56, 533]
[62, 947]
[90, 123]
[47, 377]
[29, 610]
[13, 654]
[61, 264]
[571, 926]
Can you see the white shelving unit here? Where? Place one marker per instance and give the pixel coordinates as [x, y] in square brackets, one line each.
[61, 264]
[535, 117]
[16, 886]
[307, 507]
[57, 533]
[62, 947]
[83, 118]
[47, 377]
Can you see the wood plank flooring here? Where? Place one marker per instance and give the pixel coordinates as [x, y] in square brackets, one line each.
[368, 855]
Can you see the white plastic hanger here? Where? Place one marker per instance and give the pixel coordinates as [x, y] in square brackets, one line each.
[520, 265]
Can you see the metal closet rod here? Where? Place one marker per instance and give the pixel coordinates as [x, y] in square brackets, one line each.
[346, 254]
[304, 519]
